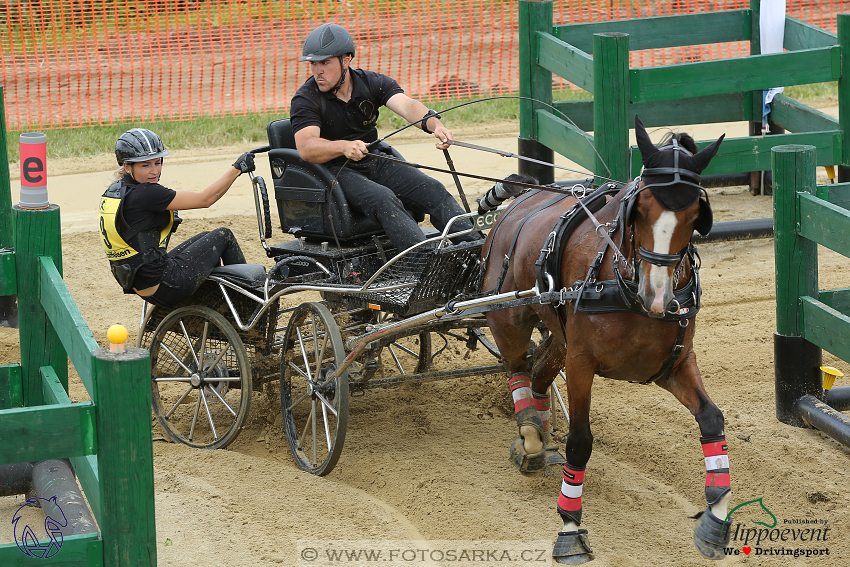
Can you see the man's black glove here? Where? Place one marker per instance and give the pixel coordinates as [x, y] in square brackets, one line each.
[245, 163]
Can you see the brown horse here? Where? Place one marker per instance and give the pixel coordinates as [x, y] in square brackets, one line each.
[623, 311]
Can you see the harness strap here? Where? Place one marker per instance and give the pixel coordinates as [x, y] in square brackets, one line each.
[671, 360]
[592, 275]
[661, 259]
[510, 253]
[549, 264]
[519, 199]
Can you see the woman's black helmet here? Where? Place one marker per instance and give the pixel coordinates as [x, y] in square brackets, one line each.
[138, 144]
[326, 41]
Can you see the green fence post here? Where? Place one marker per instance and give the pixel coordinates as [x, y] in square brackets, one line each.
[796, 361]
[534, 82]
[6, 233]
[611, 88]
[844, 96]
[37, 233]
[753, 100]
[8, 305]
[125, 457]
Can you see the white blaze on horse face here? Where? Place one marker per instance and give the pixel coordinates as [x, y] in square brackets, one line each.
[659, 277]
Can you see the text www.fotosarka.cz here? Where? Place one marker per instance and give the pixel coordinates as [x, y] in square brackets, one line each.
[390, 553]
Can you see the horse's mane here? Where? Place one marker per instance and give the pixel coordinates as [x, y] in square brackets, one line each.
[685, 140]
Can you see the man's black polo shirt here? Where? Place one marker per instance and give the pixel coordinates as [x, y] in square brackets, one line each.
[339, 120]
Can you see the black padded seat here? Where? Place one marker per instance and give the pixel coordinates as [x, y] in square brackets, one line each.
[244, 274]
[307, 198]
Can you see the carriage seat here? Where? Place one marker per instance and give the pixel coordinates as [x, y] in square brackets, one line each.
[307, 198]
[250, 275]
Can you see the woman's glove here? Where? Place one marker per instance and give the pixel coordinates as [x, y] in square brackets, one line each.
[245, 163]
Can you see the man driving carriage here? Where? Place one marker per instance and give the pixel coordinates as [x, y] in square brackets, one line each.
[334, 115]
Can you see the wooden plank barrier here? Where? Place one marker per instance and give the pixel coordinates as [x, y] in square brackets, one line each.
[808, 319]
[107, 439]
[699, 92]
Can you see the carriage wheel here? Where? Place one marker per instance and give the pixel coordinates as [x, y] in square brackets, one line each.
[408, 355]
[201, 378]
[314, 406]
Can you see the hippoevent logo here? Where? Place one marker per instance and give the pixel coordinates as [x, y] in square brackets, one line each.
[26, 538]
[792, 537]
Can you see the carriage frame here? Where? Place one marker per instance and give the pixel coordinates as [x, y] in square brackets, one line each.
[370, 323]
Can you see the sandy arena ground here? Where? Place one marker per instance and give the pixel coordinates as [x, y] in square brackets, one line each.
[431, 462]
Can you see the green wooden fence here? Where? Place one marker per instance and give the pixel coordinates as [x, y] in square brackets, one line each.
[108, 439]
[701, 92]
[808, 319]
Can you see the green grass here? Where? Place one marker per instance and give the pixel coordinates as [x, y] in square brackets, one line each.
[814, 92]
[250, 130]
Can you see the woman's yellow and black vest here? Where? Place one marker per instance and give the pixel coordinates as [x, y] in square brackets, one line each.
[115, 233]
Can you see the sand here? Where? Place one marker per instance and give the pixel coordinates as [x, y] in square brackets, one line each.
[430, 462]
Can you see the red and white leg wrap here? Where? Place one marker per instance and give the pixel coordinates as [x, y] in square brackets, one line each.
[521, 392]
[569, 501]
[717, 480]
[543, 403]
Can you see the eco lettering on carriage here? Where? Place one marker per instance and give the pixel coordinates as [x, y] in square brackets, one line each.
[34, 543]
[486, 220]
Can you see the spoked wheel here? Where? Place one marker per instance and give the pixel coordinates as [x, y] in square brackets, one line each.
[314, 404]
[201, 378]
[407, 355]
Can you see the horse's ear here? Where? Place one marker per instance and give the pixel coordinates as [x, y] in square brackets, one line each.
[645, 145]
[702, 159]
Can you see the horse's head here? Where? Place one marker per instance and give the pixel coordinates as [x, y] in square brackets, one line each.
[665, 208]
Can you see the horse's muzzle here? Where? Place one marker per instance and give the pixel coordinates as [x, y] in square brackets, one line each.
[656, 300]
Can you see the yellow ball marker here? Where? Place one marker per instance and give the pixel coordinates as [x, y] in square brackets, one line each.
[829, 374]
[117, 337]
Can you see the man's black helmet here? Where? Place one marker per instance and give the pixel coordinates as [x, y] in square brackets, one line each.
[138, 144]
[326, 41]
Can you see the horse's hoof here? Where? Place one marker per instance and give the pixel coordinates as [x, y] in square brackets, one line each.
[571, 548]
[711, 534]
[527, 464]
[554, 458]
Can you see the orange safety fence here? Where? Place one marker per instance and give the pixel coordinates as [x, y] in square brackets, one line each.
[72, 63]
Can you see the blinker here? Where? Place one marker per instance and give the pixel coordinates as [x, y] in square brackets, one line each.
[677, 193]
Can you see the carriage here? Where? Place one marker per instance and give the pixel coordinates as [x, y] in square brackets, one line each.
[366, 316]
[375, 312]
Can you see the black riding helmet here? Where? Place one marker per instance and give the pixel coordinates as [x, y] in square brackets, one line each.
[326, 41]
[138, 144]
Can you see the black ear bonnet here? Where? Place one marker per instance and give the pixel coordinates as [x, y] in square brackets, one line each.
[671, 174]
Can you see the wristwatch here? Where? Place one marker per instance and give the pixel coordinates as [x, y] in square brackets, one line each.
[424, 123]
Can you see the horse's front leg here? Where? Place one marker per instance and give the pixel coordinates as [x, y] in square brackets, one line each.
[711, 533]
[572, 547]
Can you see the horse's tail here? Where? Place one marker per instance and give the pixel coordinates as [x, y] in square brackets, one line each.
[503, 190]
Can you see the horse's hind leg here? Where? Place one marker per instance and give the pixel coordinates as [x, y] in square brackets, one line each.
[711, 533]
[547, 361]
[512, 330]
